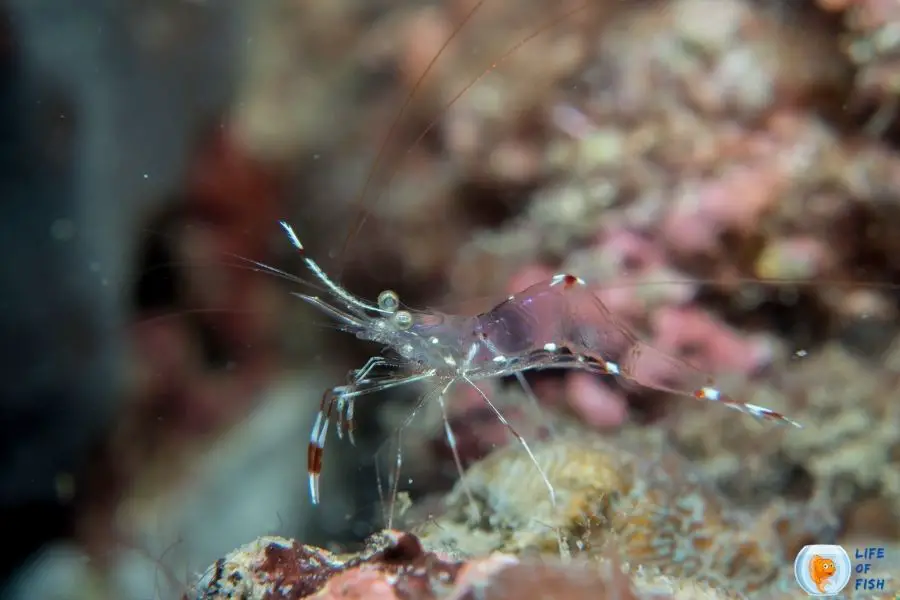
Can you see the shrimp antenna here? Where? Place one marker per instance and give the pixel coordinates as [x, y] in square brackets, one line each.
[362, 214]
[382, 150]
[320, 274]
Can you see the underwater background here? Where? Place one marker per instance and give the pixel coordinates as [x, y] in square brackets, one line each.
[678, 155]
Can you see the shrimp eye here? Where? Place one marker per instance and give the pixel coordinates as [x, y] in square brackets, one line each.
[388, 300]
[403, 319]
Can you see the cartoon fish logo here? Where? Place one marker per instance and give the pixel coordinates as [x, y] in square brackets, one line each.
[821, 570]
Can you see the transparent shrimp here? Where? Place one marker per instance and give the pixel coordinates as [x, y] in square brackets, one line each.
[429, 346]
[558, 323]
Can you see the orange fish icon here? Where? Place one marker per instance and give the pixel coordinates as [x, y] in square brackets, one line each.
[820, 571]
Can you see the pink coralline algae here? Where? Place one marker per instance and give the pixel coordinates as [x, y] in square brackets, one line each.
[688, 171]
[704, 210]
[696, 334]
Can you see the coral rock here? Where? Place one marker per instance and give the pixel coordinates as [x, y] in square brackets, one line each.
[646, 507]
[395, 566]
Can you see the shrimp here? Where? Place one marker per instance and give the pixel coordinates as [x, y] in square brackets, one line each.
[507, 340]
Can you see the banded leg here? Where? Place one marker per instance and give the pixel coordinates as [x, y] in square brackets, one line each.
[664, 377]
[339, 402]
[652, 368]
[316, 447]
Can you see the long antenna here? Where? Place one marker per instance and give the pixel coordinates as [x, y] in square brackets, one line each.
[358, 206]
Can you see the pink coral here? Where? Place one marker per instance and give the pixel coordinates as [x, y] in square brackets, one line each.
[693, 333]
[634, 275]
[597, 404]
[704, 210]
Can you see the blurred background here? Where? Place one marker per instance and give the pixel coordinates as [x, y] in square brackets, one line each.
[158, 393]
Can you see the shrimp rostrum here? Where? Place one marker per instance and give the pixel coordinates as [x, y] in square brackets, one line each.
[557, 323]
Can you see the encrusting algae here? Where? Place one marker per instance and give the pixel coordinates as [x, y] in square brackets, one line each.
[651, 511]
[631, 521]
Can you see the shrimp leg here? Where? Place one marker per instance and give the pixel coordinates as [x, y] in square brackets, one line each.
[340, 400]
[642, 363]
